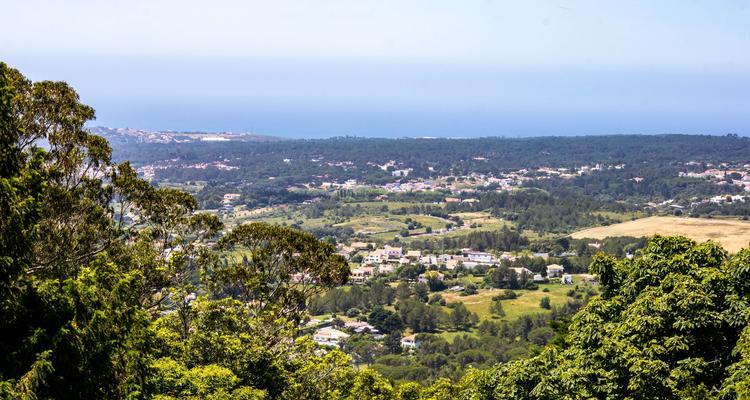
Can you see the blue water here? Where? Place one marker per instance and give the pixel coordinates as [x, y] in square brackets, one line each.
[319, 99]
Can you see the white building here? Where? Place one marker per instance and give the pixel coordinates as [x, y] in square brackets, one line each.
[555, 271]
[393, 252]
[428, 260]
[359, 327]
[362, 274]
[479, 257]
[384, 269]
[329, 337]
[410, 342]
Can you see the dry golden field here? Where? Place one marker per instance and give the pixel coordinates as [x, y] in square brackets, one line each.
[731, 233]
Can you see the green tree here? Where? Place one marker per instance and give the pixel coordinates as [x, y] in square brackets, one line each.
[545, 303]
[368, 384]
[422, 291]
[671, 314]
[461, 317]
[496, 308]
[384, 320]
[71, 318]
[286, 268]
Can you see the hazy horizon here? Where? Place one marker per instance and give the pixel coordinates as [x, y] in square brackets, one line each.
[379, 69]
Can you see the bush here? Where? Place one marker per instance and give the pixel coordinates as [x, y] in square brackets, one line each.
[545, 303]
[469, 290]
[506, 295]
[436, 299]
[352, 312]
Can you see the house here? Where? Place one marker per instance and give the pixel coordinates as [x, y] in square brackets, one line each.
[384, 269]
[371, 259]
[445, 258]
[374, 257]
[231, 197]
[428, 260]
[555, 271]
[478, 256]
[393, 253]
[430, 274]
[329, 337]
[452, 264]
[521, 271]
[538, 278]
[359, 327]
[567, 279]
[413, 255]
[361, 275]
[410, 342]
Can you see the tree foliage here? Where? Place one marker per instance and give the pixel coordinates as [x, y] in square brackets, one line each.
[669, 326]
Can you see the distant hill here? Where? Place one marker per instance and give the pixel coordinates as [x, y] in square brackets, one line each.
[132, 135]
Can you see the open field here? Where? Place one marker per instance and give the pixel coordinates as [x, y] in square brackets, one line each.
[730, 233]
[526, 303]
[385, 227]
[482, 222]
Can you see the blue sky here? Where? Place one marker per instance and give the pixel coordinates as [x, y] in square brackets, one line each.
[395, 68]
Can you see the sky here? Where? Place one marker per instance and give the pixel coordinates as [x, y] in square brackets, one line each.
[321, 68]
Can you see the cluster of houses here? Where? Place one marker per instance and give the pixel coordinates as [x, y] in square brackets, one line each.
[333, 337]
[719, 174]
[459, 184]
[385, 260]
[228, 202]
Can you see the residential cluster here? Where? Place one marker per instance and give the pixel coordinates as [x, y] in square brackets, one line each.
[460, 184]
[384, 261]
[724, 174]
[330, 336]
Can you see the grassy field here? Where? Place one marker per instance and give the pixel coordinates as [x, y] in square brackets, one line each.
[385, 227]
[733, 234]
[526, 303]
[482, 222]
